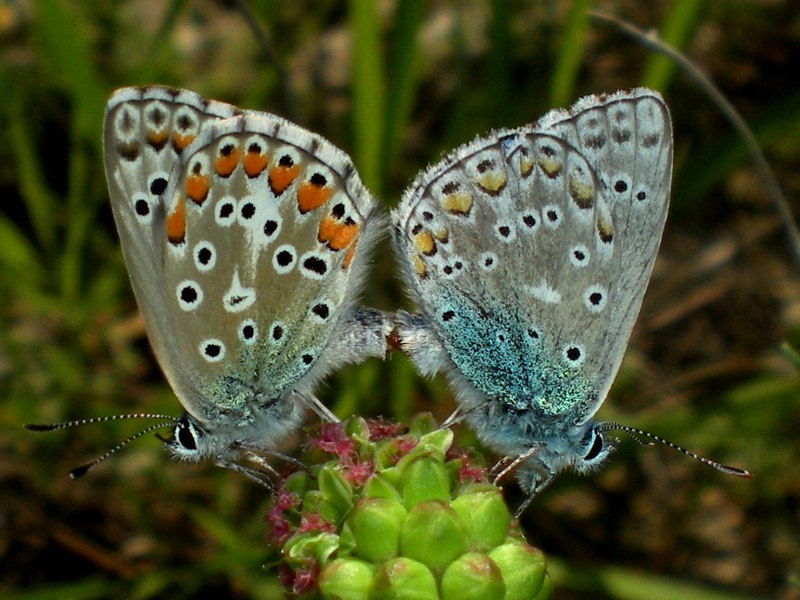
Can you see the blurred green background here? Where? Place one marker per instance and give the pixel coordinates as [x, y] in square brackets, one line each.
[395, 84]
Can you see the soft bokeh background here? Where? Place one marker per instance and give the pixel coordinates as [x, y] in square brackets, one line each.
[395, 84]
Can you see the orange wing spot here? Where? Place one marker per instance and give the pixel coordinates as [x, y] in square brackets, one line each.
[254, 163]
[197, 188]
[348, 257]
[310, 196]
[176, 222]
[335, 234]
[179, 141]
[226, 161]
[281, 177]
[157, 139]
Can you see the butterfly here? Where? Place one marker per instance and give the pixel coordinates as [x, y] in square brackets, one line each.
[527, 253]
[246, 239]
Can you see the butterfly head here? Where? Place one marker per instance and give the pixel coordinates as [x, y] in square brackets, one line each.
[188, 441]
[583, 449]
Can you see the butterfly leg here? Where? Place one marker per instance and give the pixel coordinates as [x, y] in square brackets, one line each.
[508, 463]
[261, 478]
[322, 411]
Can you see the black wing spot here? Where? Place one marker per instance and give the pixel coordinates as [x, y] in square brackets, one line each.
[318, 180]
[321, 310]
[142, 208]
[315, 264]
[269, 228]
[158, 185]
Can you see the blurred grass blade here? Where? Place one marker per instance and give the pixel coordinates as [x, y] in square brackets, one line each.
[19, 261]
[570, 54]
[40, 202]
[678, 26]
[159, 45]
[368, 92]
[65, 42]
[403, 62]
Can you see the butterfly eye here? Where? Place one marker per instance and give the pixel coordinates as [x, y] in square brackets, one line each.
[185, 436]
[596, 448]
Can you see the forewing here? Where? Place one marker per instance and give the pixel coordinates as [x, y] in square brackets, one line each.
[264, 245]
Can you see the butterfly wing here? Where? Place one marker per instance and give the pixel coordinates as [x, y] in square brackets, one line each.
[528, 253]
[246, 240]
[266, 240]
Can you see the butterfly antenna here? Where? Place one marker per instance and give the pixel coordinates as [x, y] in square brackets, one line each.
[79, 422]
[83, 469]
[633, 432]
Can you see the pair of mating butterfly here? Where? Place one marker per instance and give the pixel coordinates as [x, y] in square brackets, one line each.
[527, 252]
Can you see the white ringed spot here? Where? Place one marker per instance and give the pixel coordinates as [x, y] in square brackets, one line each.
[189, 295]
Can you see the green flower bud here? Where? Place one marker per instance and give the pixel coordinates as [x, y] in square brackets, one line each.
[381, 486]
[403, 579]
[547, 588]
[422, 424]
[317, 546]
[346, 579]
[297, 483]
[357, 427]
[523, 570]
[433, 534]
[473, 576]
[335, 490]
[374, 524]
[485, 515]
[314, 503]
[424, 478]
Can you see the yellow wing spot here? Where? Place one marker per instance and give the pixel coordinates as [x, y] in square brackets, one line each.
[582, 192]
[227, 160]
[348, 257]
[197, 185]
[425, 243]
[459, 203]
[550, 166]
[180, 141]
[492, 182]
[336, 234]
[176, 222]
[311, 196]
[525, 165]
[605, 230]
[442, 234]
[254, 163]
[281, 177]
[419, 266]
